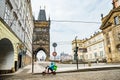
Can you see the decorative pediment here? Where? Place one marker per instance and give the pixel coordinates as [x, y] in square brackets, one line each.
[107, 24]
[106, 19]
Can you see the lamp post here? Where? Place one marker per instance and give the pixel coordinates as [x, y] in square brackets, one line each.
[33, 52]
[32, 61]
[76, 50]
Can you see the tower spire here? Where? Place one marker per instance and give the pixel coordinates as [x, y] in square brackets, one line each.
[42, 15]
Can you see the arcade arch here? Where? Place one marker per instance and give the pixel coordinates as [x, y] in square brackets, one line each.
[6, 54]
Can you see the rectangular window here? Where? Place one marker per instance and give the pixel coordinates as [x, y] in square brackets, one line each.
[80, 45]
[7, 14]
[81, 57]
[95, 55]
[8, 2]
[8, 9]
[95, 47]
[109, 50]
[89, 48]
[116, 20]
[19, 23]
[101, 53]
[100, 45]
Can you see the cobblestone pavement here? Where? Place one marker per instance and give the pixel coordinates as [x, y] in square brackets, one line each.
[91, 75]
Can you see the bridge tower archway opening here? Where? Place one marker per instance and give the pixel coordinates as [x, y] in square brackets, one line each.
[6, 55]
[41, 55]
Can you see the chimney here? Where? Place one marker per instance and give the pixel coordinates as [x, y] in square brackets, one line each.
[116, 3]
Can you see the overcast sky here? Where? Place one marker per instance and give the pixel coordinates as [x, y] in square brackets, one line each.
[72, 10]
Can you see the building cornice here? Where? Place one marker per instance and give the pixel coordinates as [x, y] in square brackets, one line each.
[105, 23]
[95, 43]
[94, 35]
[6, 25]
[9, 29]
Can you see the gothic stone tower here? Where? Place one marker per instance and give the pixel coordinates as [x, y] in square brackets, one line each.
[41, 35]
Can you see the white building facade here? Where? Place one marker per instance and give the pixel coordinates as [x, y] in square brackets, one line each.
[95, 48]
[91, 49]
[65, 57]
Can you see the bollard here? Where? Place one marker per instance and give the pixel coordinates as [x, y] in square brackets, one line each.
[13, 70]
[89, 64]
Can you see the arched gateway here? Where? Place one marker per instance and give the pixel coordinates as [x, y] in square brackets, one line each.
[41, 35]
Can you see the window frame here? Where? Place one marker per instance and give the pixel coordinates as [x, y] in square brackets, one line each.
[116, 20]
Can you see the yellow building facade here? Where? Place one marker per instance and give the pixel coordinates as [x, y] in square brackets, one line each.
[16, 30]
[8, 41]
[80, 45]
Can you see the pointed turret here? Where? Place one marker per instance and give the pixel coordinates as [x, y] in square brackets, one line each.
[42, 15]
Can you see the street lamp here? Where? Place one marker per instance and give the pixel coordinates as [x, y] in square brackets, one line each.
[33, 52]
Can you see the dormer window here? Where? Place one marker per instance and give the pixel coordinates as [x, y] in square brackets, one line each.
[116, 20]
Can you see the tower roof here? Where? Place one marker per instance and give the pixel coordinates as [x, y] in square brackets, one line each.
[42, 15]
